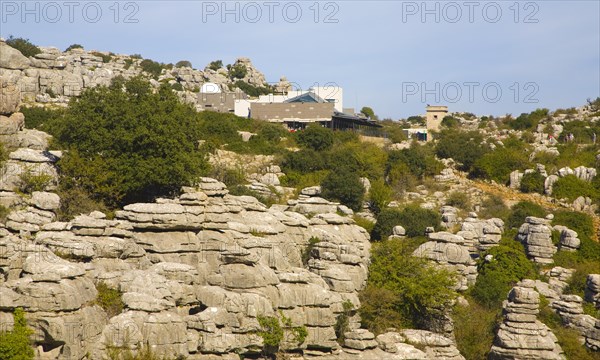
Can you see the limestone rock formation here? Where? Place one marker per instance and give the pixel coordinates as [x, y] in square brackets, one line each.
[521, 335]
[195, 273]
[536, 236]
[450, 251]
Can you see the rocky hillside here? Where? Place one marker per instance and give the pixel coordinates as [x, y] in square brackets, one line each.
[312, 245]
[53, 76]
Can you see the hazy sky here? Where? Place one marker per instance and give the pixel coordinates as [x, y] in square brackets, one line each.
[395, 56]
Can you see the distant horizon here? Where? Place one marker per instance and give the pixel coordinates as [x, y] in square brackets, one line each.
[488, 58]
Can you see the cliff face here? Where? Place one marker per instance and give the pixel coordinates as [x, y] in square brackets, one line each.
[196, 273]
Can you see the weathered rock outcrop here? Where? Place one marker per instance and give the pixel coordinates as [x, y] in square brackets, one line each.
[449, 250]
[521, 335]
[536, 236]
[196, 272]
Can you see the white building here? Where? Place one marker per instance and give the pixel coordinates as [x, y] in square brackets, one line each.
[332, 94]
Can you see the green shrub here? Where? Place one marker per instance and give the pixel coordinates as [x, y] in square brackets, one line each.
[152, 67]
[498, 164]
[532, 182]
[128, 63]
[251, 90]
[364, 223]
[344, 186]
[450, 122]
[571, 187]
[308, 250]
[4, 211]
[316, 137]
[16, 344]
[343, 321]
[177, 86]
[496, 277]
[183, 63]
[529, 121]
[3, 154]
[459, 200]
[419, 160]
[106, 58]
[277, 332]
[76, 201]
[109, 299]
[24, 46]
[474, 329]
[74, 46]
[413, 218]
[582, 223]
[41, 118]
[520, 211]
[129, 146]
[380, 196]
[215, 65]
[464, 147]
[30, 182]
[238, 71]
[403, 290]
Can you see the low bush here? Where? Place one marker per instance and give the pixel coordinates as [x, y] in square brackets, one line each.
[532, 182]
[24, 46]
[344, 186]
[464, 147]
[571, 187]
[152, 67]
[520, 211]
[16, 343]
[109, 299]
[74, 46]
[215, 65]
[403, 290]
[474, 329]
[498, 164]
[496, 277]
[316, 137]
[183, 63]
[30, 182]
[238, 71]
[413, 218]
[380, 196]
[277, 332]
[459, 200]
[41, 118]
[106, 58]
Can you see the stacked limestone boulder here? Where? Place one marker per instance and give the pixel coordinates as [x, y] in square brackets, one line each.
[521, 335]
[592, 289]
[569, 240]
[479, 234]
[536, 236]
[449, 250]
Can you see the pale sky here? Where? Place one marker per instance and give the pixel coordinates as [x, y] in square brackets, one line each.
[486, 57]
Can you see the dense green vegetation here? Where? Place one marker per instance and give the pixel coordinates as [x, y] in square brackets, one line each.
[16, 344]
[403, 290]
[344, 185]
[508, 265]
[413, 218]
[125, 146]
